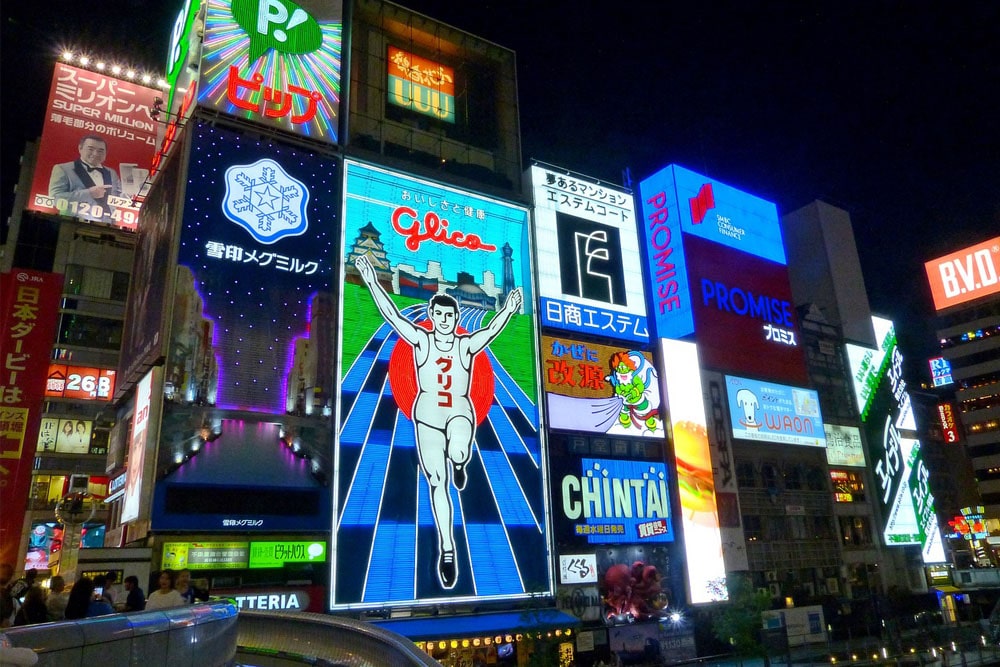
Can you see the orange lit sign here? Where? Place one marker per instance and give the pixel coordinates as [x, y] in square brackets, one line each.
[422, 85]
[965, 275]
[87, 384]
[948, 426]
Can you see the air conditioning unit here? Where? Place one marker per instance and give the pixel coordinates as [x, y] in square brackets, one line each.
[771, 575]
[78, 483]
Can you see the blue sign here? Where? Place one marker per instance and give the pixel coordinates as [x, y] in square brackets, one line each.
[941, 371]
[720, 213]
[668, 293]
[774, 412]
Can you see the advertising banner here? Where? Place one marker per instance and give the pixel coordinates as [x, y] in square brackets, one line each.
[276, 554]
[66, 436]
[577, 569]
[970, 273]
[771, 412]
[843, 446]
[274, 62]
[440, 490]
[601, 389]
[139, 443]
[902, 478]
[79, 383]
[589, 271]
[248, 392]
[97, 145]
[744, 314]
[940, 371]
[949, 425]
[29, 303]
[682, 386]
[205, 555]
[420, 84]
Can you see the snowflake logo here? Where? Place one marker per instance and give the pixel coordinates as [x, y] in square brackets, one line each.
[265, 200]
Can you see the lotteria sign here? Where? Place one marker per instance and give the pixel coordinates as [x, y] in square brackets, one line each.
[774, 412]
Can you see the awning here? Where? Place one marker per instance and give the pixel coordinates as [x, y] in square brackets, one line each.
[446, 627]
[947, 589]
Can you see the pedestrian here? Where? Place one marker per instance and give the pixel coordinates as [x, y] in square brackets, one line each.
[136, 599]
[83, 603]
[55, 604]
[33, 608]
[166, 595]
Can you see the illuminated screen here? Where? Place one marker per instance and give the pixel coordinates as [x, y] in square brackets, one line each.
[965, 275]
[439, 381]
[97, 144]
[421, 85]
[949, 426]
[902, 479]
[608, 501]
[940, 371]
[706, 569]
[276, 554]
[79, 383]
[717, 212]
[65, 436]
[589, 272]
[138, 444]
[276, 63]
[669, 292]
[205, 555]
[843, 446]
[771, 412]
[601, 389]
[744, 314]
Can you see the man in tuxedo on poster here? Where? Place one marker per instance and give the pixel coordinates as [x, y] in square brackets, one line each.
[86, 180]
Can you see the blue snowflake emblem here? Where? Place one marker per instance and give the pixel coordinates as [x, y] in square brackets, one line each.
[265, 200]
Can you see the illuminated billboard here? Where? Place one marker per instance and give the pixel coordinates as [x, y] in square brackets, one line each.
[29, 303]
[589, 270]
[80, 383]
[421, 85]
[609, 501]
[970, 273]
[949, 425]
[140, 441]
[276, 554]
[902, 489]
[745, 317]
[66, 436]
[440, 491]
[276, 63]
[97, 145]
[699, 511]
[843, 446]
[940, 371]
[205, 555]
[771, 412]
[600, 388]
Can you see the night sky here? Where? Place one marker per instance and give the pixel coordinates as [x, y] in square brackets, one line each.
[885, 109]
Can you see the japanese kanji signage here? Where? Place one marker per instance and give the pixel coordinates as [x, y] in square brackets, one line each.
[29, 302]
[769, 412]
[438, 416]
[843, 446]
[422, 85]
[97, 145]
[589, 270]
[274, 62]
[67, 436]
[601, 389]
[205, 555]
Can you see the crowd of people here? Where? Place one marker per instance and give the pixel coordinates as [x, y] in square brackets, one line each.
[25, 601]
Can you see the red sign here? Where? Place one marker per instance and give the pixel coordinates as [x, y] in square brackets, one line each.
[97, 146]
[78, 382]
[949, 428]
[29, 302]
[965, 275]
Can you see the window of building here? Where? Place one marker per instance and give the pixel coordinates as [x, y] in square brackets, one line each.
[797, 528]
[855, 531]
[776, 528]
[90, 331]
[97, 283]
[848, 486]
[769, 475]
[745, 475]
[752, 530]
[793, 476]
[814, 479]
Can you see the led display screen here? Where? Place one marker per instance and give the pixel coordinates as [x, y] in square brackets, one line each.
[940, 371]
[66, 436]
[970, 273]
[902, 479]
[843, 446]
[744, 314]
[610, 501]
[682, 386]
[29, 302]
[601, 389]
[205, 555]
[667, 279]
[79, 383]
[440, 485]
[589, 271]
[771, 412]
[722, 214]
[276, 63]
[96, 147]
[421, 85]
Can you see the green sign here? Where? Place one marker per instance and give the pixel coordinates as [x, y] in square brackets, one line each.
[276, 554]
[204, 555]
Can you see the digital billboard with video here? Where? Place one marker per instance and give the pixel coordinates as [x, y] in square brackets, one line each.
[902, 478]
[745, 317]
[771, 412]
[589, 270]
[245, 440]
[276, 63]
[440, 491]
[600, 388]
[970, 273]
[97, 145]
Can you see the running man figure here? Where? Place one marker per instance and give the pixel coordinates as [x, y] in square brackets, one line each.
[442, 412]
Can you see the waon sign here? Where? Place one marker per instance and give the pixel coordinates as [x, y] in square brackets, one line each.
[29, 302]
